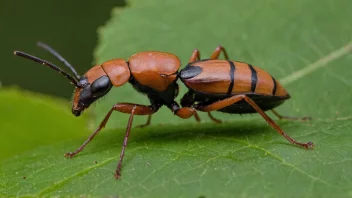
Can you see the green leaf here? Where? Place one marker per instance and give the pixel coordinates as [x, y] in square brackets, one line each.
[280, 37]
[245, 159]
[305, 44]
[29, 120]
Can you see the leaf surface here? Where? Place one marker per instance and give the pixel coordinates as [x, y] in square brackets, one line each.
[29, 120]
[305, 44]
[245, 159]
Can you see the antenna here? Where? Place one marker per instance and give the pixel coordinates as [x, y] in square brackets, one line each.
[48, 64]
[59, 57]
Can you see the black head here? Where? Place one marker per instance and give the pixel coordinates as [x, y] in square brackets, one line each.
[89, 92]
[90, 87]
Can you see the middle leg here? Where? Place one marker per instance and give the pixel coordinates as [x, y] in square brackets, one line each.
[147, 123]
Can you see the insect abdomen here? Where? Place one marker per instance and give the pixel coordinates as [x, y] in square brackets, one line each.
[230, 77]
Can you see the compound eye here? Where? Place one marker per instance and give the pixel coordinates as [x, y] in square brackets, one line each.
[101, 86]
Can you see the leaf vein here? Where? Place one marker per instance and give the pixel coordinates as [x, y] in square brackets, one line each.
[334, 55]
[84, 171]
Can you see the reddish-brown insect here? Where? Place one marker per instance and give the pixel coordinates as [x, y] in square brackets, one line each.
[214, 85]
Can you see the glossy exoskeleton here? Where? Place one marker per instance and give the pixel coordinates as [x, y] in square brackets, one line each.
[214, 85]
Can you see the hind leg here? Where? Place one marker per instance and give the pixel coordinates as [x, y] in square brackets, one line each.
[237, 98]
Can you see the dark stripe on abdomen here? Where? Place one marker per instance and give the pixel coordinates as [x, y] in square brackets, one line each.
[232, 77]
[274, 88]
[254, 78]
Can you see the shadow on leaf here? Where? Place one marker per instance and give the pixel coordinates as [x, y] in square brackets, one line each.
[242, 131]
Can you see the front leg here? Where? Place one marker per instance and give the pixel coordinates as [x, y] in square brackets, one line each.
[132, 109]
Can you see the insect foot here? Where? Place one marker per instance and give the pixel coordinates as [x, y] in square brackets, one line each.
[310, 145]
[69, 155]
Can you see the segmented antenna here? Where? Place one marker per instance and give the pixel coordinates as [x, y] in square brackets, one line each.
[48, 64]
[59, 57]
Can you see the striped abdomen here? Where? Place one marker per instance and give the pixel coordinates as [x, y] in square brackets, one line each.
[230, 77]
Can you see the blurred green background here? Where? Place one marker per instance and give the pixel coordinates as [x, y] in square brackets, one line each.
[70, 27]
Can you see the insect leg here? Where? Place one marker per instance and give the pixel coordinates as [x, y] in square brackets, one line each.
[217, 52]
[187, 112]
[132, 109]
[184, 112]
[290, 118]
[232, 100]
[188, 100]
[195, 56]
[215, 55]
[213, 119]
[147, 123]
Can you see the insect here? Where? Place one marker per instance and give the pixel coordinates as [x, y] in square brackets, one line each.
[213, 85]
